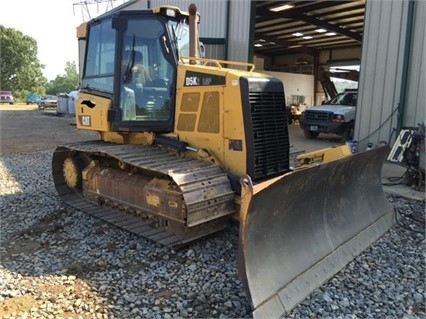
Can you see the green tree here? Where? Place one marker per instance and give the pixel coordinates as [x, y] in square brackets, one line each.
[21, 71]
[64, 83]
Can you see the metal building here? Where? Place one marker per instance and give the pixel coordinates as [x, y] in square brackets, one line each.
[392, 86]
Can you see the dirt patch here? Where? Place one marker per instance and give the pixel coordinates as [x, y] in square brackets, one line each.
[29, 130]
[17, 304]
[29, 303]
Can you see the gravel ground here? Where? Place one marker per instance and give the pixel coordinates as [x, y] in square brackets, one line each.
[57, 262]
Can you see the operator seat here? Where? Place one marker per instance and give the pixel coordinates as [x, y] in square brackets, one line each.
[129, 89]
[140, 79]
[129, 103]
[140, 72]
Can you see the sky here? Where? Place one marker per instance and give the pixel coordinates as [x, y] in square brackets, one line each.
[53, 24]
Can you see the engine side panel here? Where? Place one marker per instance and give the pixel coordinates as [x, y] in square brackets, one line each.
[238, 116]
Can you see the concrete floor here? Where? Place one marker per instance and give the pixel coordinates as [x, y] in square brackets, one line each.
[390, 172]
[300, 142]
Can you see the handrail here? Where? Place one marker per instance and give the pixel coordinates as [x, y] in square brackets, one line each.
[218, 63]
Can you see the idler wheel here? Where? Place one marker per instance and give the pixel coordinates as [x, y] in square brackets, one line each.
[72, 172]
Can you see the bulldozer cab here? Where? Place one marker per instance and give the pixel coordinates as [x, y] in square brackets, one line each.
[131, 59]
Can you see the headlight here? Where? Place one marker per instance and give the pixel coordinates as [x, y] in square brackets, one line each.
[171, 13]
[338, 118]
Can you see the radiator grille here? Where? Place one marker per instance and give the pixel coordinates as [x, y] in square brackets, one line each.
[318, 116]
[270, 134]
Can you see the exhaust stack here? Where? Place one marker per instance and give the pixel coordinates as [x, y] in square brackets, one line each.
[193, 32]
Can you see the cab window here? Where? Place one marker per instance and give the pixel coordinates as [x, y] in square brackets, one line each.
[99, 70]
[146, 72]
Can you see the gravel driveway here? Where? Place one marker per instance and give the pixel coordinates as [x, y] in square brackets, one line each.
[57, 262]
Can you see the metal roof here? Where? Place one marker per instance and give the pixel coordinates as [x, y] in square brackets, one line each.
[307, 26]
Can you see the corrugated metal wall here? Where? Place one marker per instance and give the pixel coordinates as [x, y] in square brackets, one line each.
[380, 89]
[239, 30]
[212, 15]
[215, 51]
[135, 5]
[220, 19]
[213, 23]
[416, 92]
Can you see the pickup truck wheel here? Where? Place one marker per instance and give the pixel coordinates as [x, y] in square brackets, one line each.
[310, 134]
[348, 134]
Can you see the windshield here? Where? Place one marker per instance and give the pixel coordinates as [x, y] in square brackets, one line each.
[99, 64]
[146, 72]
[347, 98]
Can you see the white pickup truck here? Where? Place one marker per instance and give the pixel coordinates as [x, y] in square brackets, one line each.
[336, 116]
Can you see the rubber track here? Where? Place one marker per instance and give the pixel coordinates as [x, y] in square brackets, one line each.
[188, 173]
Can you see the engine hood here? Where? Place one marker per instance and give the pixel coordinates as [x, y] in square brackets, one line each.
[339, 109]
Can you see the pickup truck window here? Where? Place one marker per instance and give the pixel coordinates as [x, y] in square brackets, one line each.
[349, 99]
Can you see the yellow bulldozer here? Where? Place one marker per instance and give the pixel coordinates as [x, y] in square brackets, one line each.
[189, 144]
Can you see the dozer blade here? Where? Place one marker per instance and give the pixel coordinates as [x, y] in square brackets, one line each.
[300, 229]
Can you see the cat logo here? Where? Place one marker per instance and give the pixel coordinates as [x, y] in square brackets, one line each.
[85, 120]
